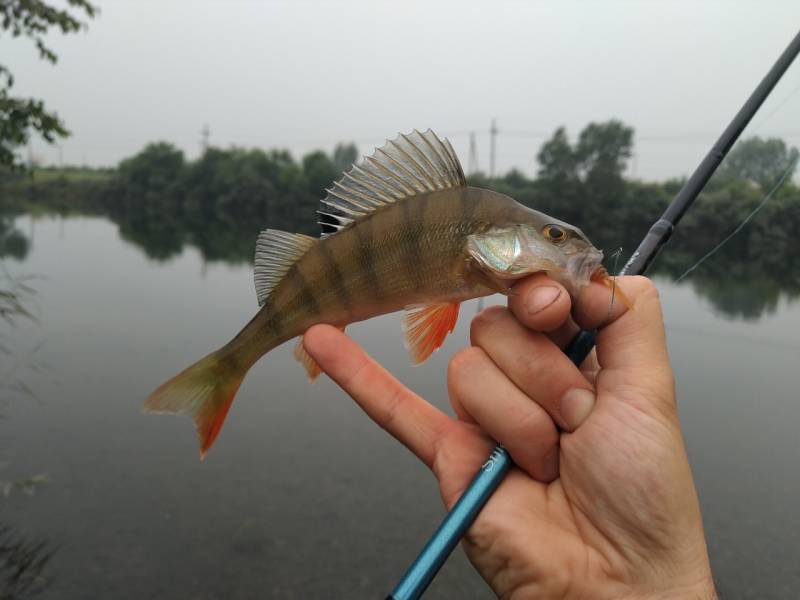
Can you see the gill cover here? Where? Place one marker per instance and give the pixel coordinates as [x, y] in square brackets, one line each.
[513, 252]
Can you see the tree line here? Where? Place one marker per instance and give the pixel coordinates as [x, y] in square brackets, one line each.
[219, 202]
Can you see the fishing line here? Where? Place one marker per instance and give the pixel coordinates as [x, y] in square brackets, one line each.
[772, 113]
[755, 211]
[615, 256]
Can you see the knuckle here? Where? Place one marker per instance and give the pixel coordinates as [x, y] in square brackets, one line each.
[483, 321]
[530, 438]
[536, 364]
[463, 363]
[535, 427]
[647, 288]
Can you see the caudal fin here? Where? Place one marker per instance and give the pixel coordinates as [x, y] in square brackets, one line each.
[204, 391]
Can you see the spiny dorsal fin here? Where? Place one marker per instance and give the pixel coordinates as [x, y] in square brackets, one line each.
[408, 165]
[276, 252]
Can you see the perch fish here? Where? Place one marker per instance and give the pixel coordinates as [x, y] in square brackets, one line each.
[409, 233]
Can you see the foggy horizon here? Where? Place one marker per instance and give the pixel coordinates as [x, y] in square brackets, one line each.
[305, 76]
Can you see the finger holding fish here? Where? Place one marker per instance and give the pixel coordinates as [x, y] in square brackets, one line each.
[540, 303]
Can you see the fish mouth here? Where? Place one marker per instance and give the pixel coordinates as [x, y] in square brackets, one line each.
[587, 267]
[600, 274]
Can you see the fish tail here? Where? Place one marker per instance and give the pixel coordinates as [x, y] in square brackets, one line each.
[203, 391]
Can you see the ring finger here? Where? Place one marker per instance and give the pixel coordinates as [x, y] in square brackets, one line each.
[511, 418]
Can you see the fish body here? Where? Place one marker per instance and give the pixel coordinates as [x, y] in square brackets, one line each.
[410, 234]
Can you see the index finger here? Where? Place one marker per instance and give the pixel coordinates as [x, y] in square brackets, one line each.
[407, 417]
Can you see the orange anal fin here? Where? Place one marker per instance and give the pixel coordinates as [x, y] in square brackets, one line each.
[313, 370]
[426, 328]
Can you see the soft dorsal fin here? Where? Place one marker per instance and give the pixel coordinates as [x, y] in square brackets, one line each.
[276, 252]
[406, 166]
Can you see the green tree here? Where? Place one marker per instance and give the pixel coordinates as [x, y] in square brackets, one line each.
[344, 156]
[762, 161]
[601, 154]
[583, 182]
[320, 172]
[557, 160]
[151, 175]
[20, 116]
[603, 150]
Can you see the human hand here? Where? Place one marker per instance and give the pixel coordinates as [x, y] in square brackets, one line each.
[601, 503]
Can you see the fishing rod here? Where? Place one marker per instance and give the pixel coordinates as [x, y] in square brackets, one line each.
[424, 568]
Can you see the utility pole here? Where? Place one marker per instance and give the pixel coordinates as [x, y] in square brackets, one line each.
[473, 154]
[493, 136]
[205, 133]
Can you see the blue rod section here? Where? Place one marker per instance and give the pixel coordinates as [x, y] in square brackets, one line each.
[455, 525]
[422, 571]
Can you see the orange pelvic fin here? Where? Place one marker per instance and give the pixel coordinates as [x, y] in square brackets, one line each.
[426, 328]
[204, 391]
[313, 370]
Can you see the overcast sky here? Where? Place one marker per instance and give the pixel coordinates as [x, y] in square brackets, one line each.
[305, 74]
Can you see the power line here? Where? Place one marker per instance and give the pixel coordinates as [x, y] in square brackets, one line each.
[473, 154]
[493, 133]
[205, 134]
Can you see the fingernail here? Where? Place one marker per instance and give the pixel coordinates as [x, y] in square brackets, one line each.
[540, 298]
[550, 465]
[576, 406]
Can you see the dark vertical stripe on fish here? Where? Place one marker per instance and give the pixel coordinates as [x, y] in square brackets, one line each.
[274, 324]
[335, 274]
[305, 294]
[365, 255]
[412, 248]
[468, 208]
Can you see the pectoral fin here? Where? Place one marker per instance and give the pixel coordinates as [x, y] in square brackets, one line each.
[426, 328]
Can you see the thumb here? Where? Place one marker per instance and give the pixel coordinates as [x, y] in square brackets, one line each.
[630, 341]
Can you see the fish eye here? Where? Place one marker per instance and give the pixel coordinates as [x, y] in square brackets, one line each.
[554, 233]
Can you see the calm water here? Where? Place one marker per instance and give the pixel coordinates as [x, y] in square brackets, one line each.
[302, 497]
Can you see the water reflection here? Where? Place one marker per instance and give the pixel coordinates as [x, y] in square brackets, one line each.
[745, 280]
[23, 561]
[13, 243]
[736, 282]
[23, 565]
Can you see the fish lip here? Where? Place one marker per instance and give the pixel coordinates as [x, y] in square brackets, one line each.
[599, 274]
[588, 267]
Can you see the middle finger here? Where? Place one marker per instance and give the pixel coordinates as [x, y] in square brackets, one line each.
[509, 416]
[536, 366]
